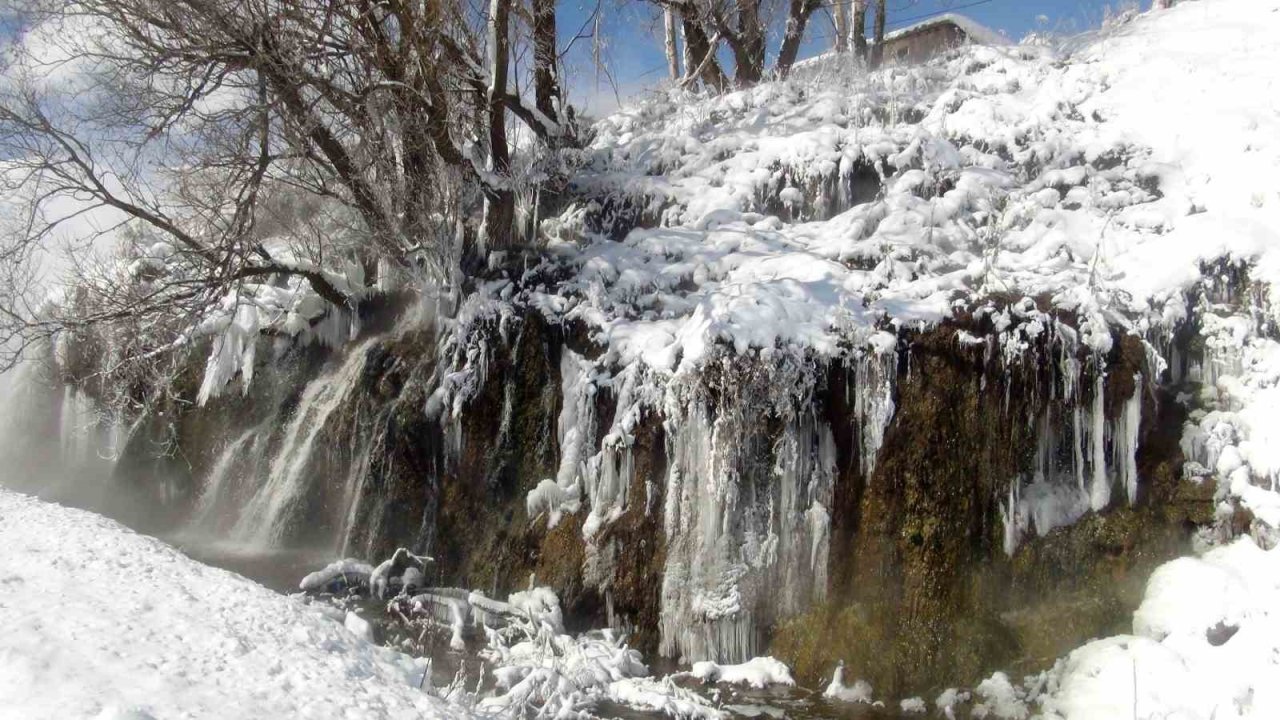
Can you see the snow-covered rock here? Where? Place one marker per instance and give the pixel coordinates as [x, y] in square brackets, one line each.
[757, 672]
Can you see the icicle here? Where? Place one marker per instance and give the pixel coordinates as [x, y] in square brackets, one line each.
[1012, 517]
[1100, 487]
[1124, 441]
[737, 544]
[873, 404]
[1077, 446]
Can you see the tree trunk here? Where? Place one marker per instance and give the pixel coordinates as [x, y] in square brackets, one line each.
[702, 57]
[690, 61]
[749, 49]
[499, 202]
[841, 13]
[671, 44]
[546, 86]
[798, 14]
[859, 31]
[877, 50]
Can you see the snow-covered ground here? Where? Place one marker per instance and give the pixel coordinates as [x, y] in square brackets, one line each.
[100, 622]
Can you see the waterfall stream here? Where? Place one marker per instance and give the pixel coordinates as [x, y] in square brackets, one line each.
[268, 514]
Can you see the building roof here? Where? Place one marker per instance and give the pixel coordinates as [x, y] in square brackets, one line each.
[976, 31]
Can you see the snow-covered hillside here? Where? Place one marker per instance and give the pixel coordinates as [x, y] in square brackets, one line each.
[1130, 183]
[99, 622]
[808, 217]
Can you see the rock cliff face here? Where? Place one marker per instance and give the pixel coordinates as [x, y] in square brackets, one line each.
[926, 513]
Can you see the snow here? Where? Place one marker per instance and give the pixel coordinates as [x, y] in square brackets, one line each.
[859, 692]
[346, 572]
[102, 622]
[757, 672]
[976, 31]
[913, 706]
[1205, 638]
[541, 606]
[663, 696]
[1081, 180]
[810, 221]
[1107, 185]
[358, 626]
[1204, 645]
[536, 666]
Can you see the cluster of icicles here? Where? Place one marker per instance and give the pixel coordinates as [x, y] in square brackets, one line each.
[747, 541]
[1080, 454]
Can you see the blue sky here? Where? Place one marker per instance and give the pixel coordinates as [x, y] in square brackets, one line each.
[631, 36]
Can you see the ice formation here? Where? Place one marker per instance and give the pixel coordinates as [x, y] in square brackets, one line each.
[859, 692]
[746, 541]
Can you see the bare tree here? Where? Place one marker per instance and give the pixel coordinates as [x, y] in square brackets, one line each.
[859, 30]
[741, 26]
[798, 14]
[196, 121]
[840, 15]
[877, 50]
[546, 75]
[670, 43]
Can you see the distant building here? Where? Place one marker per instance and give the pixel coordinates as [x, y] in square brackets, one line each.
[936, 35]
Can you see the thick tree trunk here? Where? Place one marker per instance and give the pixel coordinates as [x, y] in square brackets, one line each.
[859, 31]
[546, 84]
[748, 51]
[702, 58]
[798, 14]
[840, 11]
[499, 202]
[877, 50]
[671, 44]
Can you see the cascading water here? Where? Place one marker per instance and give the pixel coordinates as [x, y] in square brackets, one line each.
[214, 498]
[77, 427]
[265, 519]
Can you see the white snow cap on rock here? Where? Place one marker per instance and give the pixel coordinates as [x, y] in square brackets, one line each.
[757, 672]
[859, 692]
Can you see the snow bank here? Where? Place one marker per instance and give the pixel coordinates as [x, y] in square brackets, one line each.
[100, 621]
[1204, 646]
[1205, 643]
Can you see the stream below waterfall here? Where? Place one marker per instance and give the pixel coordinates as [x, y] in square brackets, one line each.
[281, 570]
